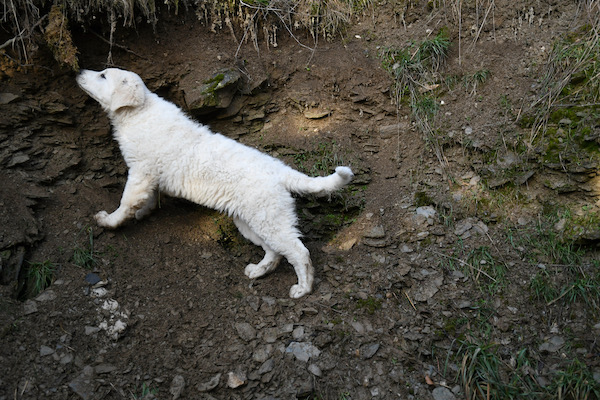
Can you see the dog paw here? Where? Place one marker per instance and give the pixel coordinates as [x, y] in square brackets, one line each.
[141, 213]
[298, 291]
[254, 271]
[102, 219]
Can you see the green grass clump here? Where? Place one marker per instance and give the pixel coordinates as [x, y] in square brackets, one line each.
[575, 382]
[484, 374]
[39, 276]
[415, 65]
[564, 274]
[485, 269]
[414, 71]
[146, 392]
[86, 256]
[320, 161]
[370, 304]
[571, 83]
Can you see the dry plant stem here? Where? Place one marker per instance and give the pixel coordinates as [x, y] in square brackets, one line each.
[117, 45]
[19, 30]
[410, 301]
[472, 267]
[459, 32]
[20, 36]
[113, 25]
[492, 4]
[237, 52]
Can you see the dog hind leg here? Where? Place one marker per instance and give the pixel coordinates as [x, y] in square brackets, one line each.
[299, 256]
[148, 206]
[268, 263]
[281, 240]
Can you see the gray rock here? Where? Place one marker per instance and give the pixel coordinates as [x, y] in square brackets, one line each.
[66, 359]
[6, 98]
[46, 295]
[298, 333]
[442, 393]
[262, 353]
[303, 351]
[481, 227]
[406, 249]
[270, 335]
[177, 386]
[267, 366]
[29, 307]
[236, 379]
[90, 330]
[315, 113]
[206, 95]
[552, 345]
[377, 232]
[359, 327]
[426, 211]
[428, 288]
[18, 159]
[368, 351]
[245, 331]
[46, 351]
[315, 370]
[210, 385]
[104, 368]
[394, 130]
[462, 227]
[507, 160]
[92, 278]
[83, 385]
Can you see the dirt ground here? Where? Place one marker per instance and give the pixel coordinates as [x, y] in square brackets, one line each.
[393, 309]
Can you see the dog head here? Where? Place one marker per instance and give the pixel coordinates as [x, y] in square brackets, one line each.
[113, 88]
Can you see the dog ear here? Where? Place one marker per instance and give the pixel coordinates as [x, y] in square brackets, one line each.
[127, 93]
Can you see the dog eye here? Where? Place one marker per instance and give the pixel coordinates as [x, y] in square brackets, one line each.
[102, 76]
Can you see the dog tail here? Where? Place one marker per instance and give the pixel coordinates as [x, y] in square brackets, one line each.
[322, 185]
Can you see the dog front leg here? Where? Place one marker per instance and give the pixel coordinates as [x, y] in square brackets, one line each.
[138, 192]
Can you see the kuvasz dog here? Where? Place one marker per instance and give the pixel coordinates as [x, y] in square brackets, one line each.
[166, 151]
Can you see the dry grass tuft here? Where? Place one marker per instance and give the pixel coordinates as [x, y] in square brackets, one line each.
[245, 20]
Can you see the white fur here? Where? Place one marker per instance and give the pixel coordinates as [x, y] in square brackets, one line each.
[167, 151]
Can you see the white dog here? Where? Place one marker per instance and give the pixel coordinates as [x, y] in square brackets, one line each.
[167, 151]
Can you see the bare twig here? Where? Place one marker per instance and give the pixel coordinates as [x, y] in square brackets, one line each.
[461, 262]
[492, 4]
[10, 42]
[410, 301]
[117, 45]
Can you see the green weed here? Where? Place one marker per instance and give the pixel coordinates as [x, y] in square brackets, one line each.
[472, 82]
[86, 256]
[572, 77]
[484, 375]
[575, 382]
[414, 73]
[370, 304]
[39, 276]
[322, 160]
[542, 288]
[484, 269]
[147, 391]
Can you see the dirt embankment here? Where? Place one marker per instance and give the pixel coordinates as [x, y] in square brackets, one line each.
[448, 253]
